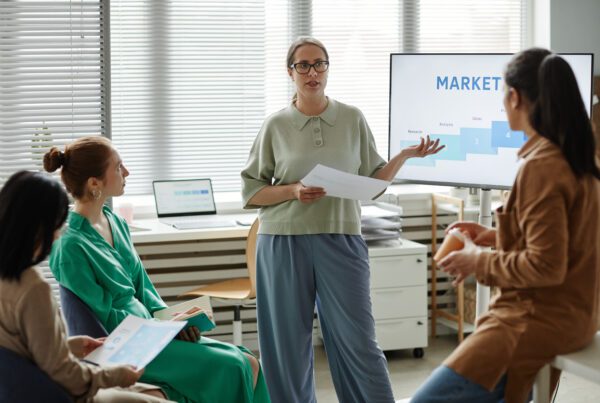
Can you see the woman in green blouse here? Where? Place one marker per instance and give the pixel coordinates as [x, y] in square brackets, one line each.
[96, 260]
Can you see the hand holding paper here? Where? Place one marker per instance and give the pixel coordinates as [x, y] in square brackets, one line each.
[197, 312]
[135, 342]
[342, 184]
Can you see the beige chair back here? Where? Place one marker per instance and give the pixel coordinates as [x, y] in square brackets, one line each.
[251, 256]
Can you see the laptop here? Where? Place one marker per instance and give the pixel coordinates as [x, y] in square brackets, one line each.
[188, 204]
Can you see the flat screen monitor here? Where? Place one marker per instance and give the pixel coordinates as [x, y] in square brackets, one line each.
[458, 98]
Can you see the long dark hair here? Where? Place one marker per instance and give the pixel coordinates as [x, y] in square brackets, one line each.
[558, 112]
[32, 206]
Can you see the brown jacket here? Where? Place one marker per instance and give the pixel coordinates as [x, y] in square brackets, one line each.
[547, 266]
[31, 326]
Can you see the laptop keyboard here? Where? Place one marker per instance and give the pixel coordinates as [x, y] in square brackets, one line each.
[202, 223]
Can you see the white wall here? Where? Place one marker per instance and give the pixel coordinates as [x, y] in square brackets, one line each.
[574, 27]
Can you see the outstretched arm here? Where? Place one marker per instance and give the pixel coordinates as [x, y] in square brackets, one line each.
[423, 149]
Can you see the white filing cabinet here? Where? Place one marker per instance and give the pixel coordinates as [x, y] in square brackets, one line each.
[399, 295]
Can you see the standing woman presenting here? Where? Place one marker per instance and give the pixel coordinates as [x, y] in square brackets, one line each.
[309, 247]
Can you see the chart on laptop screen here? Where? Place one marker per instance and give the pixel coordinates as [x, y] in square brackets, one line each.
[186, 196]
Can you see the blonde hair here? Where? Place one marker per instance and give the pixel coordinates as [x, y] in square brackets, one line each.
[301, 41]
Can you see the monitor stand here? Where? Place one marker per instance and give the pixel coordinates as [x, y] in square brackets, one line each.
[485, 218]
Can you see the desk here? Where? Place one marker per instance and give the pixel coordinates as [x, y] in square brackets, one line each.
[152, 230]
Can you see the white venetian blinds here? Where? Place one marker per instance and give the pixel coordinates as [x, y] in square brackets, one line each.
[360, 35]
[192, 81]
[51, 78]
[470, 26]
[188, 88]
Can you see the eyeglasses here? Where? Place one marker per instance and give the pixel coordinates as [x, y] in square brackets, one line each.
[304, 68]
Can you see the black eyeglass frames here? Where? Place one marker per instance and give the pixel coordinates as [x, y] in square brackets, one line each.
[303, 67]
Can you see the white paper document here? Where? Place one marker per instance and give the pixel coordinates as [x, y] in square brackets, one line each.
[342, 184]
[135, 341]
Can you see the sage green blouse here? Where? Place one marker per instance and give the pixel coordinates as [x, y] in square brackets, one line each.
[288, 147]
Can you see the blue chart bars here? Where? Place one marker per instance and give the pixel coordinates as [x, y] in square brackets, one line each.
[471, 141]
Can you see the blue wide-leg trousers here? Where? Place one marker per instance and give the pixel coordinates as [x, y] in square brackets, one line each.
[295, 272]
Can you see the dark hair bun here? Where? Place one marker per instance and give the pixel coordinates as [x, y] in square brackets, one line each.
[53, 159]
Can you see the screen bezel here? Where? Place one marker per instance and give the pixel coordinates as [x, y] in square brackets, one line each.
[466, 184]
[191, 213]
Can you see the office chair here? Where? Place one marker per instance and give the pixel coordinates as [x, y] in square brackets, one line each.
[18, 374]
[80, 319]
[240, 291]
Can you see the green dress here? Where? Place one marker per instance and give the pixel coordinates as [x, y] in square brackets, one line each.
[113, 283]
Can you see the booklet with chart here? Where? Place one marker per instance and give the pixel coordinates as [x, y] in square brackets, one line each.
[197, 312]
[136, 341]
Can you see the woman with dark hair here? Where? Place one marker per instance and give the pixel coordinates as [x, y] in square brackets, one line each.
[97, 261]
[547, 259]
[33, 208]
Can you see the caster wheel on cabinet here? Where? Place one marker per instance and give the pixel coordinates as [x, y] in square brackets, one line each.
[418, 353]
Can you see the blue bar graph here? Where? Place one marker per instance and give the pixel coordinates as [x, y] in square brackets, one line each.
[502, 136]
[477, 141]
[471, 140]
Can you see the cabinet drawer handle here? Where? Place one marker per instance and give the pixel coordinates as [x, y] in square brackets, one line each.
[389, 291]
[419, 260]
[420, 323]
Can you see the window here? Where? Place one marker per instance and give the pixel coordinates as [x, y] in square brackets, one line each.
[51, 78]
[359, 38]
[51, 81]
[188, 88]
[192, 81]
[470, 26]
[360, 35]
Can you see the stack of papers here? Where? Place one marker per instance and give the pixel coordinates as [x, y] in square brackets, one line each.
[378, 223]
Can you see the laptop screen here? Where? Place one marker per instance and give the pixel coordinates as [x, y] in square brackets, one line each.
[183, 197]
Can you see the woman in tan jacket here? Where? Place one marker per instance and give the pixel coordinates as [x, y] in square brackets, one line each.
[547, 257]
[33, 208]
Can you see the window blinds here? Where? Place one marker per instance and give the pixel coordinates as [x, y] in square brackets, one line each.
[51, 78]
[188, 88]
[360, 35]
[470, 26]
[192, 81]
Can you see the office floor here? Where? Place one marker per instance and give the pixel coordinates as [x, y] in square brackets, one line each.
[407, 373]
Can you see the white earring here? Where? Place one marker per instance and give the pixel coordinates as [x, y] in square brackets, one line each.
[96, 194]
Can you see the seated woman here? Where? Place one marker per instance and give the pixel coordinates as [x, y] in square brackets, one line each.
[96, 260]
[33, 208]
[547, 260]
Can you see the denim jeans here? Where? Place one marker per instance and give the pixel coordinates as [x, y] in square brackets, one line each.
[445, 385]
